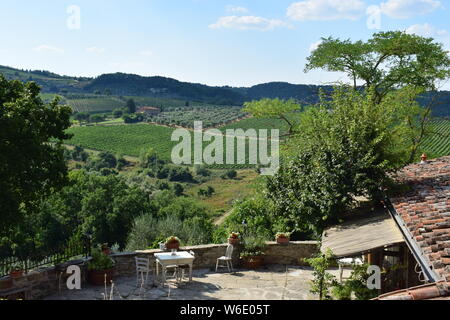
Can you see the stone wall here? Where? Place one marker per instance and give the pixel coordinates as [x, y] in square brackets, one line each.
[206, 256]
[39, 283]
[43, 282]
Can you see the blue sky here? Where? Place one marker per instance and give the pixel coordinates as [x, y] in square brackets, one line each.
[216, 42]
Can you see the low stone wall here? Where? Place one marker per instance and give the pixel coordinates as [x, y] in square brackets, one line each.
[44, 282]
[206, 256]
[39, 283]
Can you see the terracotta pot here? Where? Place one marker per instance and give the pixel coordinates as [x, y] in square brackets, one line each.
[233, 241]
[172, 245]
[283, 240]
[16, 274]
[97, 278]
[253, 262]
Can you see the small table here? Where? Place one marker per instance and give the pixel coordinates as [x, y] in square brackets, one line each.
[178, 259]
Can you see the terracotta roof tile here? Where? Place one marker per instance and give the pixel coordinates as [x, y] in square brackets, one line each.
[425, 209]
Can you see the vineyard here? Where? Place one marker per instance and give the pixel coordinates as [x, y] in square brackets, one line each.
[124, 139]
[438, 143]
[131, 139]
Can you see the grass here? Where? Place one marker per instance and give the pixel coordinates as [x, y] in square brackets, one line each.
[227, 191]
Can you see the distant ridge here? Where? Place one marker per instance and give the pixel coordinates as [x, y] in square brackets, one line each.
[123, 84]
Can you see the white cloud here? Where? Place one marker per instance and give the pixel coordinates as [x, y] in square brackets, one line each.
[314, 45]
[326, 10]
[47, 49]
[236, 9]
[426, 30]
[145, 53]
[248, 23]
[404, 9]
[95, 50]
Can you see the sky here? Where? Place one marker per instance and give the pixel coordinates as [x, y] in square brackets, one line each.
[215, 42]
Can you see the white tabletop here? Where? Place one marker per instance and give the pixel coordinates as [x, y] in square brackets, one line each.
[181, 255]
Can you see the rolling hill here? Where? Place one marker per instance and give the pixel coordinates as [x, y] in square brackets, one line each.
[161, 88]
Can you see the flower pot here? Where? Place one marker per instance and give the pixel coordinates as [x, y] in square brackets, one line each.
[283, 240]
[172, 245]
[97, 278]
[252, 262]
[233, 241]
[16, 274]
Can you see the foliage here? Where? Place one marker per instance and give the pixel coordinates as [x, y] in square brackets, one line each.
[30, 166]
[229, 174]
[254, 245]
[387, 61]
[209, 116]
[323, 280]
[131, 106]
[274, 108]
[148, 231]
[258, 212]
[173, 239]
[437, 143]
[100, 261]
[356, 284]
[347, 147]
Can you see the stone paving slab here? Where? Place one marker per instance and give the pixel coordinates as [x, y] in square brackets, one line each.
[271, 283]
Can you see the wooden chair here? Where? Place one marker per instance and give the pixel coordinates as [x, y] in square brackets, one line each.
[227, 259]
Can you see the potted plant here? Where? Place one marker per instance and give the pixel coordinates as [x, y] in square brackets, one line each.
[99, 267]
[252, 256]
[234, 238]
[283, 238]
[105, 249]
[172, 243]
[16, 271]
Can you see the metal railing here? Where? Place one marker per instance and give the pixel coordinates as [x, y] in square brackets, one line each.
[74, 249]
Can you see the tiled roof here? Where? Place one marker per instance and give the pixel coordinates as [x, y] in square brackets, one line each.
[434, 291]
[425, 209]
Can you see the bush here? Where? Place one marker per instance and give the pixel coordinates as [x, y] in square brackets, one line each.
[148, 231]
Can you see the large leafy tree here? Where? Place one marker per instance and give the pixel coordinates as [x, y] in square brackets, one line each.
[387, 61]
[347, 147]
[31, 158]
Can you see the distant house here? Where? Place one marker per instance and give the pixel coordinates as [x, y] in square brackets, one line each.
[149, 111]
[412, 234]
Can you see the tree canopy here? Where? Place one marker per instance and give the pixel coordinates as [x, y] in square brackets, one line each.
[387, 61]
[31, 159]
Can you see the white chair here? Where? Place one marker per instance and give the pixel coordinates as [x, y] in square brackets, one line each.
[142, 267]
[182, 269]
[347, 262]
[228, 259]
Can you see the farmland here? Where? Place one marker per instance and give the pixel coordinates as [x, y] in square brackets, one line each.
[438, 143]
[124, 139]
[210, 116]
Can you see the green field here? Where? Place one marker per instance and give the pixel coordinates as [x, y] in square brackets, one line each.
[438, 143]
[124, 139]
[131, 139]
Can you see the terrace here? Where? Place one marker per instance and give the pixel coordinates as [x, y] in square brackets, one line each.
[284, 276]
[273, 282]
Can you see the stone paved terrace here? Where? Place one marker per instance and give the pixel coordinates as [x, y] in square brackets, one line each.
[275, 282]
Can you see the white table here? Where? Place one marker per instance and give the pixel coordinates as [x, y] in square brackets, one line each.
[178, 259]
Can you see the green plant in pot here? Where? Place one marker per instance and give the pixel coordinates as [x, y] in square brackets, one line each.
[233, 238]
[100, 268]
[252, 256]
[283, 237]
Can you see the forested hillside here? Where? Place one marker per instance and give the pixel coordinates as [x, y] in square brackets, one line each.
[120, 84]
